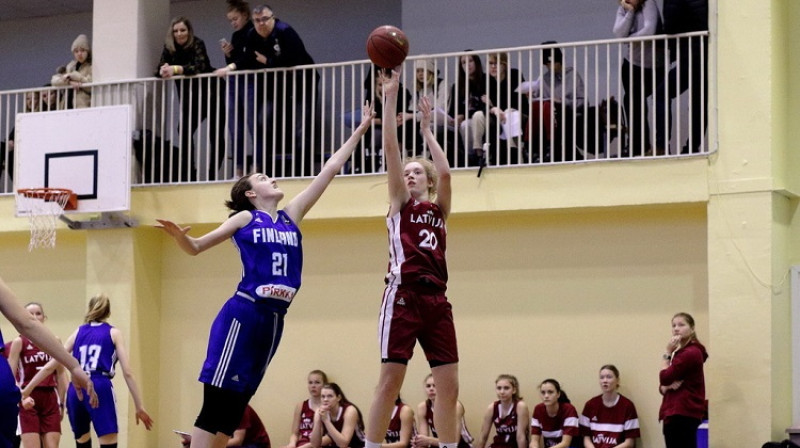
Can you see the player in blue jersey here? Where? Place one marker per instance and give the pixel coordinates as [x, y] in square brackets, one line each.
[97, 346]
[245, 334]
[30, 327]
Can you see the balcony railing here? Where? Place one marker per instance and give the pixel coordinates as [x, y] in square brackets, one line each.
[286, 122]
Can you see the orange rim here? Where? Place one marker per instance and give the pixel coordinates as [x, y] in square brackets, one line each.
[51, 195]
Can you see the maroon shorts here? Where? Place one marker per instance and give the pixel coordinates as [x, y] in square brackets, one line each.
[412, 313]
[45, 416]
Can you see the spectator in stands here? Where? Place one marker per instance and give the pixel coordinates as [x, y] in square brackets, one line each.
[284, 101]
[690, 56]
[636, 18]
[609, 419]
[185, 55]
[501, 100]
[75, 74]
[249, 434]
[465, 100]
[558, 99]
[428, 84]
[34, 102]
[338, 419]
[555, 420]
[240, 111]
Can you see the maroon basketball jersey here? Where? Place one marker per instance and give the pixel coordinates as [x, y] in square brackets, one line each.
[609, 426]
[417, 244]
[306, 424]
[393, 431]
[505, 426]
[31, 360]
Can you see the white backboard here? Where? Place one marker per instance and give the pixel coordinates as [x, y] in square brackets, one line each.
[85, 150]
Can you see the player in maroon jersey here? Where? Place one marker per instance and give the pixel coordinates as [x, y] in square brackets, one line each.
[401, 426]
[426, 430]
[40, 424]
[509, 415]
[414, 303]
[338, 419]
[303, 420]
[609, 419]
[555, 419]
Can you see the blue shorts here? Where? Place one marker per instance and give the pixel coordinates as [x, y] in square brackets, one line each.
[9, 410]
[244, 337]
[104, 417]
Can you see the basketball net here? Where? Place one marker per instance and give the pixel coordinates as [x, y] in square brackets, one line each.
[44, 207]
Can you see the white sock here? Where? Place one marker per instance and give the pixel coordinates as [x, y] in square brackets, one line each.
[369, 444]
[448, 445]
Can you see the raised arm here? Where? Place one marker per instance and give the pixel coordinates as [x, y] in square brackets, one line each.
[28, 326]
[194, 246]
[398, 193]
[438, 156]
[302, 203]
[122, 356]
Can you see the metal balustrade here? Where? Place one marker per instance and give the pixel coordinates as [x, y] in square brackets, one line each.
[287, 122]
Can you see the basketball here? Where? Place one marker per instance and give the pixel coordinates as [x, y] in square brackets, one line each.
[387, 46]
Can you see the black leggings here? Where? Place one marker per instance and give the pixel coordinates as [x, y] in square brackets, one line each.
[222, 410]
[680, 431]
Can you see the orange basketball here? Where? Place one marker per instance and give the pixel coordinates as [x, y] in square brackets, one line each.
[387, 46]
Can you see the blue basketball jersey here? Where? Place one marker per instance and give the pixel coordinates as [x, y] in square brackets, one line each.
[272, 259]
[95, 350]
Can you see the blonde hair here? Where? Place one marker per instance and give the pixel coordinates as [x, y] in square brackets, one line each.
[514, 383]
[430, 172]
[500, 58]
[99, 309]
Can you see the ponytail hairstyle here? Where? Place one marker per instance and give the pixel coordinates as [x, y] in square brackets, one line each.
[99, 309]
[689, 320]
[344, 401]
[321, 374]
[239, 200]
[562, 396]
[514, 383]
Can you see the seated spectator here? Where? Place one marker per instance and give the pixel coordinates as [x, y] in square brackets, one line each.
[75, 74]
[465, 100]
[426, 430]
[558, 99]
[185, 54]
[368, 156]
[34, 102]
[501, 100]
[428, 84]
[555, 420]
[509, 415]
[338, 419]
[249, 434]
[636, 18]
[401, 425]
[303, 419]
[609, 419]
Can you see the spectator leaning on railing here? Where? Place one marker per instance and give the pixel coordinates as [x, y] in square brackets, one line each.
[75, 74]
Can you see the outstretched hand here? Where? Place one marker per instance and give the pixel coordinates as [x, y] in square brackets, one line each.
[426, 108]
[83, 385]
[171, 228]
[144, 417]
[367, 114]
[390, 83]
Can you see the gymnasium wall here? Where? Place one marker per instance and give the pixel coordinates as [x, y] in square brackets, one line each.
[536, 294]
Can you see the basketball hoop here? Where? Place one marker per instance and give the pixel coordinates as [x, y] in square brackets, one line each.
[44, 207]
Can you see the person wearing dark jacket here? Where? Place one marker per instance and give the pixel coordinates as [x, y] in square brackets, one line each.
[185, 54]
[682, 384]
